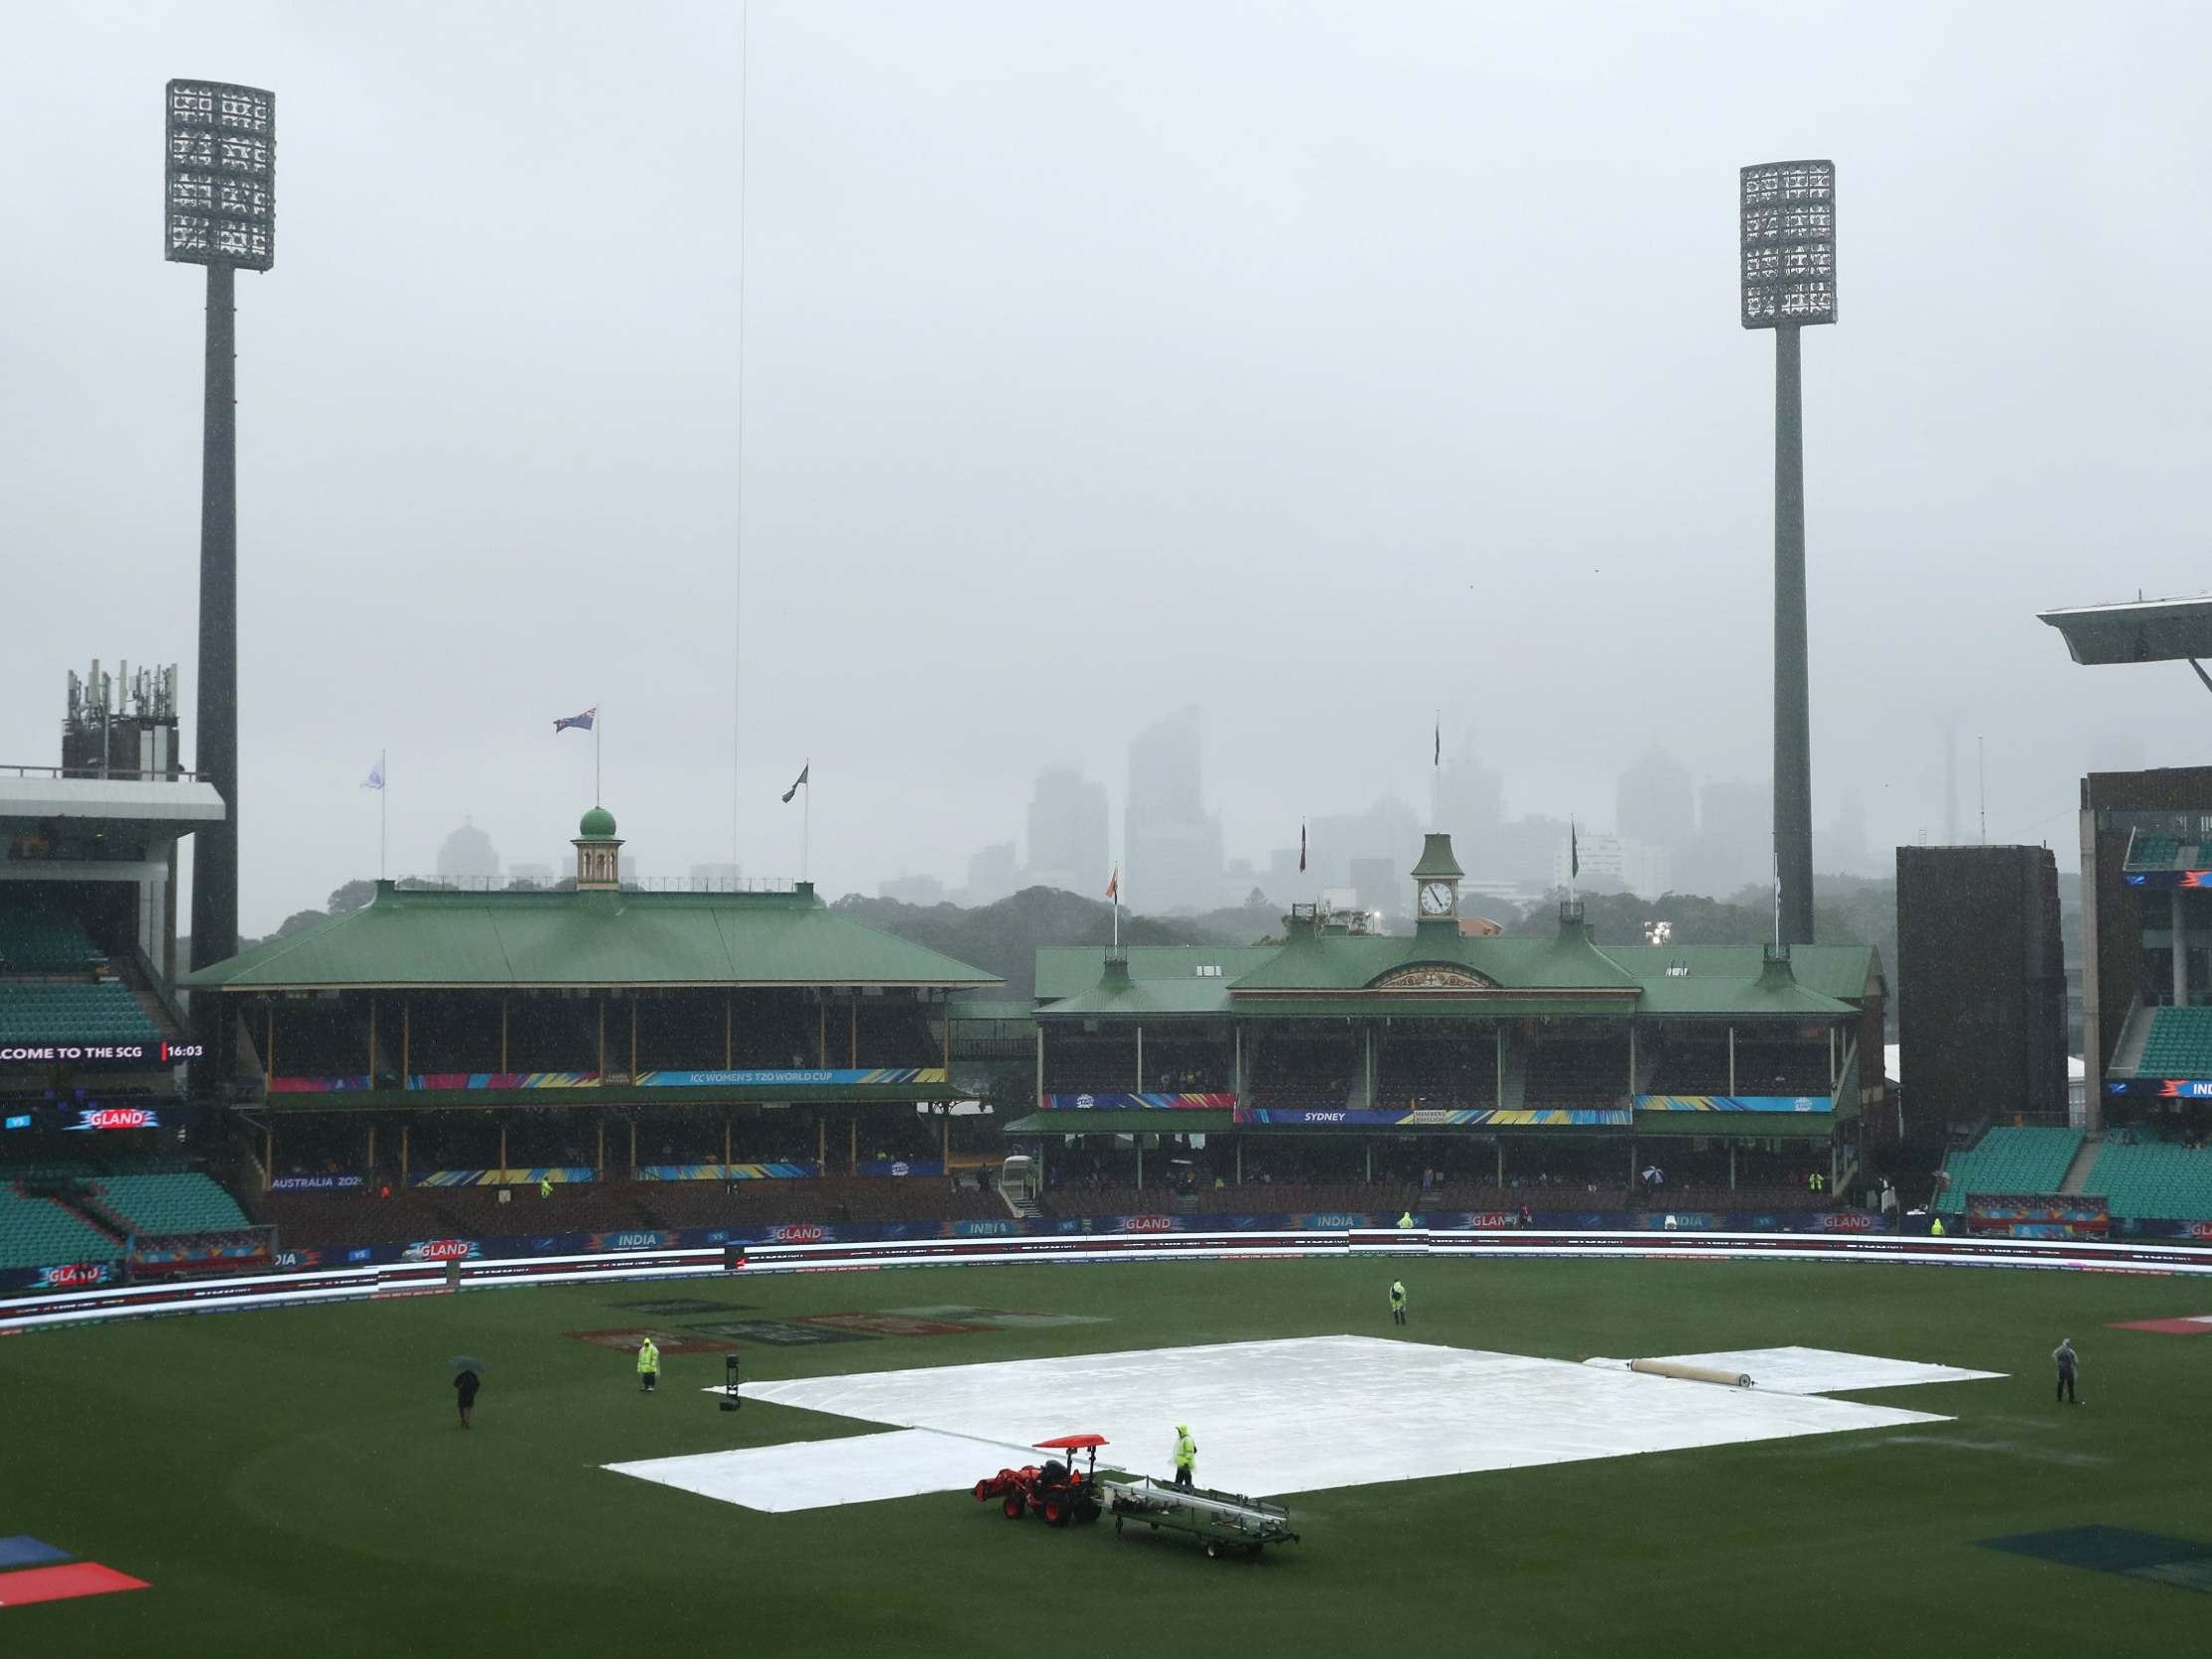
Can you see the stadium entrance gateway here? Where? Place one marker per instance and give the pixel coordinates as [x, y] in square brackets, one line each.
[1350, 1057]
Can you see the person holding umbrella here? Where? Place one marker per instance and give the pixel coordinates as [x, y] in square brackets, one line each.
[648, 1365]
[468, 1377]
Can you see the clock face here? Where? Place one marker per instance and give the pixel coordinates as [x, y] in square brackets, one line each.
[1435, 899]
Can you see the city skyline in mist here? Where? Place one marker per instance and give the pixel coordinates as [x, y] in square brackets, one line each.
[1323, 368]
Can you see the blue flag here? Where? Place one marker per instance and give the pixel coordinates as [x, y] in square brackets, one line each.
[582, 722]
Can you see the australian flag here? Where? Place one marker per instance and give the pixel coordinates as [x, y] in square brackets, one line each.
[582, 722]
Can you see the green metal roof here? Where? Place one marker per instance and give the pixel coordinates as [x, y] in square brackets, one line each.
[1144, 999]
[1825, 981]
[1352, 961]
[423, 938]
[979, 1009]
[1732, 995]
[1840, 972]
[1065, 970]
[1121, 1123]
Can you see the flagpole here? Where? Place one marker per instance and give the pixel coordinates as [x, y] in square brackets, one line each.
[1777, 873]
[383, 789]
[807, 822]
[596, 720]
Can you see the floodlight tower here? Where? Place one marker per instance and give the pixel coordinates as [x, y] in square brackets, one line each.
[220, 213]
[1789, 282]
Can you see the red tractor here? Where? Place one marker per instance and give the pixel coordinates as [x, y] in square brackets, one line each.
[1056, 1490]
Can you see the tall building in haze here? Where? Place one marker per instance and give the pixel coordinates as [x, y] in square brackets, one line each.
[1068, 833]
[1470, 797]
[1171, 849]
[1654, 803]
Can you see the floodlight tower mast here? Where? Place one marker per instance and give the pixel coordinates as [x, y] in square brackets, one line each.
[1789, 282]
[220, 213]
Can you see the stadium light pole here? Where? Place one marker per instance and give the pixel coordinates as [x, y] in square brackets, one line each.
[220, 212]
[1788, 284]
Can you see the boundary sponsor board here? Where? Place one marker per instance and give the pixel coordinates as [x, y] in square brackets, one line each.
[430, 1274]
[2038, 1215]
[1734, 1102]
[726, 1172]
[1095, 1102]
[1492, 1117]
[457, 1081]
[344, 1181]
[556, 1174]
[801, 1077]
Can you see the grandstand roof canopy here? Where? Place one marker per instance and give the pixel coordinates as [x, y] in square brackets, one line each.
[1343, 975]
[2137, 631]
[177, 806]
[415, 939]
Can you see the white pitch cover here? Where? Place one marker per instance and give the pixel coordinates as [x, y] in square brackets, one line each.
[1273, 1417]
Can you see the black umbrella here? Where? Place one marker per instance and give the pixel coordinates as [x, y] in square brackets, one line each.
[466, 1362]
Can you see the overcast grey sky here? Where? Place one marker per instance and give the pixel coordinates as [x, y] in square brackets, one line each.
[1320, 364]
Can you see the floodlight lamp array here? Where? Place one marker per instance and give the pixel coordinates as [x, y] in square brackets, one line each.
[221, 177]
[1788, 244]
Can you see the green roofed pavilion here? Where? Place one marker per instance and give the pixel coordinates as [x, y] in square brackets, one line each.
[407, 940]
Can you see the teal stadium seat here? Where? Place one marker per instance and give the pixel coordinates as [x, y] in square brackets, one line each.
[2010, 1160]
[37, 1233]
[39, 936]
[2179, 1044]
[2154, 1180]
[2154, 852]
[105, 1011]
[179, 1204]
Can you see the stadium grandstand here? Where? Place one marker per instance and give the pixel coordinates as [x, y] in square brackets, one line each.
[648, 1059]
[2146, 860]
[95, 1044]
[1346, 1068]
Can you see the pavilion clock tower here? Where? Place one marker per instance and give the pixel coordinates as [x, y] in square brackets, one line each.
[1436, 881]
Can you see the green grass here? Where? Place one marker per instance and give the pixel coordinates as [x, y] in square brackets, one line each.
[295, 1481]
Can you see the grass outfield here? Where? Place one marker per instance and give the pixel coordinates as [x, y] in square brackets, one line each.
[295, 1481]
